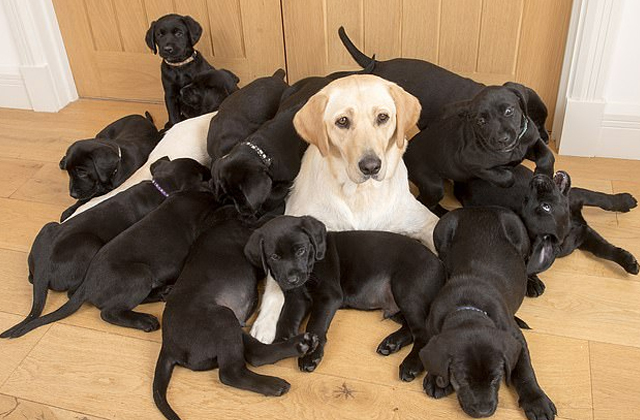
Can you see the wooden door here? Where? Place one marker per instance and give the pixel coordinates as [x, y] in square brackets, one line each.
[105, 41]
[491, 41]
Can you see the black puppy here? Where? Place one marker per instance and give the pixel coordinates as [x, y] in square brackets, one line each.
[257, 173]
[97, 166]
[174, 37]
[474, 341]
[206, 92]
[435, 87]
[552, 212]
[61, 253]
[481, 138]
[243, 112]
[322, 272]
[201, 324]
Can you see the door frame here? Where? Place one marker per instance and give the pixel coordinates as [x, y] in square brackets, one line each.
[45, 76]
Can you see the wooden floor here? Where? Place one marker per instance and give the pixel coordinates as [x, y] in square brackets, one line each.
[585, 341]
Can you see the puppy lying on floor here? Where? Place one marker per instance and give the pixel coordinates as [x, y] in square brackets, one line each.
[322, 272]
[257, 173]
[474, 341]
[96, 166]
[174, 36]
[243, 112]
[481, 138]
[62, 253]
[201, 324]
[187, 139]
[435, 87]
[552, 212]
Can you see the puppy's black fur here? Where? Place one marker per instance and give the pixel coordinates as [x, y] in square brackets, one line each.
[243, 112]
[61, 253]
[481, 138]
[206, 92]
[322, 272]
[201, 324]
[173, 37]
[256, 185]
[97, 166]
[435, 87]
[474, 341]
[552, 212]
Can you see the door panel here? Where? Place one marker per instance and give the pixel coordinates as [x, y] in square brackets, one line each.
[105, 41]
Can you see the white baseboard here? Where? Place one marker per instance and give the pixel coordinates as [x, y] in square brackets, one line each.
[13, 92]
[41, 88]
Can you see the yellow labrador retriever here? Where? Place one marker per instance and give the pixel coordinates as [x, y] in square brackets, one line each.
[352, 175]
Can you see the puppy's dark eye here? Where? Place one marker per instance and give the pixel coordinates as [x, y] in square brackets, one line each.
[508, 112]
[382, 118]
[481, 121]
[546, 207]
[160, 34]
[275, 257]
[178, 33]
[300, 252]
[343, 122]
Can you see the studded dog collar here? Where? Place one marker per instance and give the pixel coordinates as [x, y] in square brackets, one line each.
[470, 308]
[115, 171]
[182, 63]
[261, 154]
[524, 128]
[159, 188]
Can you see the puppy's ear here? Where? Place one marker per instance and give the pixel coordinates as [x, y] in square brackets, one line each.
[521, 92]
[254, 250]
[317, 232]
[105, 161]
[510, 354]
[150, 38]
[563, 181]
[309, 122]
[407, 112]
[444, 232]
[230, 81]
[158, 164]
[256, 189]
[542, 255]
[205, 172]
[63, 163]
[436, 359]
[195, 30]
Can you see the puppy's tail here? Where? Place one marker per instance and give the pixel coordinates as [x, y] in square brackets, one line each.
[279, 74]
[161, 378]
[360, 57]
[39, 298]
[64, 311]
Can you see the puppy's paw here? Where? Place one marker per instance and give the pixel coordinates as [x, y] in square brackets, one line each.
[629, 262]
[310, 362]
[535, 286]
[539, 407]
[275, 387]
[625, 202]
[389, 345]
[148, 323]
[432, 389]
[264, 330]
[306, 343]
[410, 368]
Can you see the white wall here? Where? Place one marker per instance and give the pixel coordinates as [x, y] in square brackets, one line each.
[13, 92]
[602, 102]
[9, 59]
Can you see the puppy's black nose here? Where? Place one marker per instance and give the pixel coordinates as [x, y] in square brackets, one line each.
[370, 165]
[168, 48]
[292, 279]
[75, 194]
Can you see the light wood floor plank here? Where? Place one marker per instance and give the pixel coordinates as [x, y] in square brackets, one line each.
[12, 408]
[20, 222]
[48, 185]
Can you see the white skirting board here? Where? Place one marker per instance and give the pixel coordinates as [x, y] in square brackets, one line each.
[13, 92]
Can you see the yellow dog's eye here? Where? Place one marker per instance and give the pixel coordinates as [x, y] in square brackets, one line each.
[382, 118]
[342, 122]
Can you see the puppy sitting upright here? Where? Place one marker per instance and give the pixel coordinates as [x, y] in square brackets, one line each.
[97, 166]
[481, 138]
[322, 272]
[552, 212]
[62, 252]
[174, 36]
[474, 341]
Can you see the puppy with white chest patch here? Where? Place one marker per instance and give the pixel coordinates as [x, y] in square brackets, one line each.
[352, 175]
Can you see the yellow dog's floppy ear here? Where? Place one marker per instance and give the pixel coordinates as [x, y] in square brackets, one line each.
[309, 122]
[407, 112]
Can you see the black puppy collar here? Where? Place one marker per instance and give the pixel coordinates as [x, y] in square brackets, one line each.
[524, 128]
[159, 188]
[115, 171]
[470, 308]
[261, 154]
[182, 63]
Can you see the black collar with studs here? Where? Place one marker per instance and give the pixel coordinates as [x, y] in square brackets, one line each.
[159, 188]
[183, 62]
[261, 154]
[470, 308]
[115, 171]
[525, 126]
